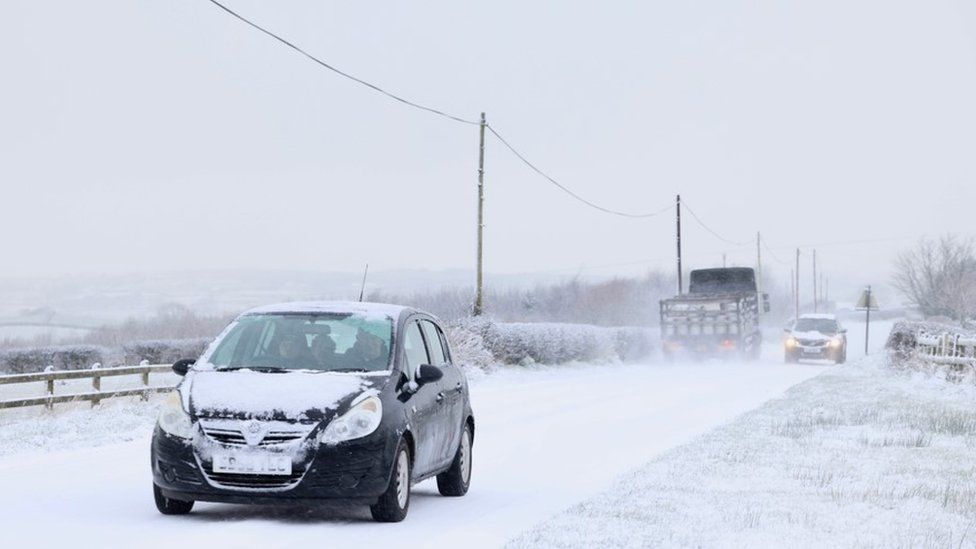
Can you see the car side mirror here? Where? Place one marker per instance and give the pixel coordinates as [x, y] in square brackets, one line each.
[428, 374]
[787, 330]
[843, 330]
[182, 366]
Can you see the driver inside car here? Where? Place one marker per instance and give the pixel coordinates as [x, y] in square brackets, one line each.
[324, 350]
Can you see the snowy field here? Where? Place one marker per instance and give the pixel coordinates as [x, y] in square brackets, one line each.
[547, 438]
[857, 457]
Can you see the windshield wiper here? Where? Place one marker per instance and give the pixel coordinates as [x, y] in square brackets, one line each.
[255, 368]
[347, 370]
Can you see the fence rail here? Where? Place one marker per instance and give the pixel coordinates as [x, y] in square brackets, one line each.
[96, 373]
[918, 344]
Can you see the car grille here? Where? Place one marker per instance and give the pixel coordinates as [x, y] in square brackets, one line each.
[812, 342]
[234, 437]
[229, 432]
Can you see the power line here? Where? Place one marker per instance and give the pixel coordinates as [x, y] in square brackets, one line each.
[567, 190]
[771, 253]
[343, 73]
[707, 228]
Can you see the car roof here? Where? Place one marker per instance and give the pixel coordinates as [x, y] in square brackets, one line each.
[355, 307]
[819, 316]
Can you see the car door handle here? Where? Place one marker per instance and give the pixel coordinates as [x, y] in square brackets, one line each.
[459, 387]
[439, 397]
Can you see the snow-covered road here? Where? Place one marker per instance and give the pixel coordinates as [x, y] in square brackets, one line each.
[546, 438]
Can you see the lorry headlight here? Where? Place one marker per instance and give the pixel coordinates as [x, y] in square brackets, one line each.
[361, 420]
[173, 420]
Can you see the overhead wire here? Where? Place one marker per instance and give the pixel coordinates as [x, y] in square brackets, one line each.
[709, 229]
[565, 189]
[342, 73]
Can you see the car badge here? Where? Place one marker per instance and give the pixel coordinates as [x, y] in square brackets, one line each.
[253, 432]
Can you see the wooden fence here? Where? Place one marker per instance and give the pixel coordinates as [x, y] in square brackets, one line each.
[96, 395]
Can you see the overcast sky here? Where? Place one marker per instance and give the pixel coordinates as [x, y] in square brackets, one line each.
[147, 135]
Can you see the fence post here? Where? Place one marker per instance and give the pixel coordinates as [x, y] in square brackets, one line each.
[50, 387]
[145, 378]
[96, 384]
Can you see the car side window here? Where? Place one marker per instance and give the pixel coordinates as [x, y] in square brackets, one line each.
[434, 344]
[413, 347]
[446, 346]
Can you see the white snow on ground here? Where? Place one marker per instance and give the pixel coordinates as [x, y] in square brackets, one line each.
[858, 457]
[546, 438]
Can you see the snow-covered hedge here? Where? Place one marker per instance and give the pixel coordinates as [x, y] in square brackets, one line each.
[76, 357]
[62, 357]
[479, 342]
[164, 351]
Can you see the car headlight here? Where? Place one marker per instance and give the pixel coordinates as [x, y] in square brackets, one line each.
[836, 342]
[791, 342]
[173, 419]
[361, 420]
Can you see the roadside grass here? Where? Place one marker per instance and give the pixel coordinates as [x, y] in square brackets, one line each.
[860, 456]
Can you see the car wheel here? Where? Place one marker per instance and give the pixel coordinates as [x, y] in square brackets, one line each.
[792, 358]
[455, 481]
[841, 357]
[169, 506]
[395, 501]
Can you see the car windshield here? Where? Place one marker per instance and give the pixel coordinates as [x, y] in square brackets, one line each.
[822, 325]
[333, 342]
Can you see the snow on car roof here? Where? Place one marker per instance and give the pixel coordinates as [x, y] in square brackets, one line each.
[355, 307]
[819, 316]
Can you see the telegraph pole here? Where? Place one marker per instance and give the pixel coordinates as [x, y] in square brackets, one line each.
[867, 320]
[797, 284]
[759, 279]
[815, 280]
[479, 285]
[677, 206]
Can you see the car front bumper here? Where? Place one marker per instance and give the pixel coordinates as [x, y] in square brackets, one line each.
[353, 471]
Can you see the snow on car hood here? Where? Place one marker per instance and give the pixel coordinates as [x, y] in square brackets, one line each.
[815, 335]
[289, 396]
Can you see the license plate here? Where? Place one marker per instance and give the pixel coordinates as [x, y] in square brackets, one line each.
[251, 463]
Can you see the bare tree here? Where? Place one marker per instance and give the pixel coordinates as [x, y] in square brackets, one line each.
[939, 276]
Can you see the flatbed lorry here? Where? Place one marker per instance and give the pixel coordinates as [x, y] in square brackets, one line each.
[719, 316]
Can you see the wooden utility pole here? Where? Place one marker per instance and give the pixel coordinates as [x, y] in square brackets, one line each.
[867, 320]
[815, 280]
[797, 284]
[479, 285]
[759, 279]
[677, 206]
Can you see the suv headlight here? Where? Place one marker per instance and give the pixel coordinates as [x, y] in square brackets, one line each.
[361, 420]
[173, 419]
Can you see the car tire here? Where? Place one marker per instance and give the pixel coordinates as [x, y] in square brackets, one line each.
[792, 358]
[842, 357]
[455, 481]
[395, 501]
[168, 506]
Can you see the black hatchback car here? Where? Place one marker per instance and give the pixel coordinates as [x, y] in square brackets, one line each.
[308, 402]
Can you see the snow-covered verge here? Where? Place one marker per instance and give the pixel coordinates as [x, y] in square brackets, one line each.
[858, 456]
[481, 342]
[69, 427]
